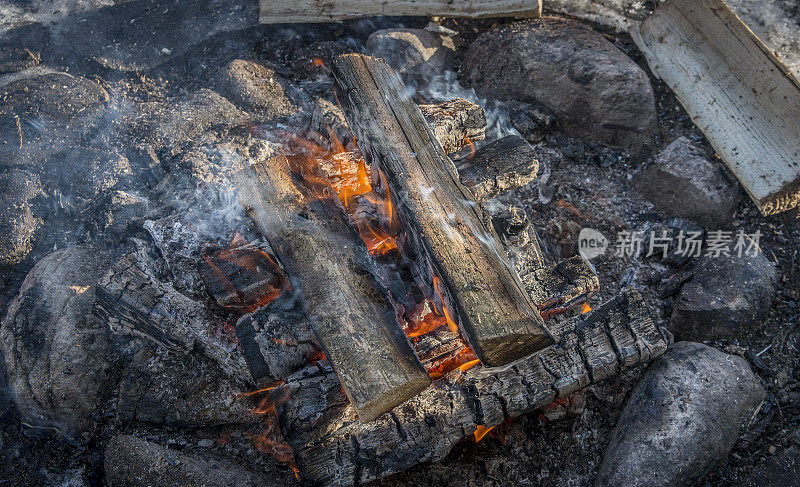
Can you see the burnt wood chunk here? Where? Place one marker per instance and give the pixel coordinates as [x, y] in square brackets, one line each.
[326, 262]
[464, 261]
[456, 123]
[133, 302]
[557, 288]
[498, 167]
[333, 449]
[241, 275]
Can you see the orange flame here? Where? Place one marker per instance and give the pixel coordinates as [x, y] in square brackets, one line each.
[466, 357]
[481, 431]
[318, 62]
[437, 283]
[270, 440]
[585, 308]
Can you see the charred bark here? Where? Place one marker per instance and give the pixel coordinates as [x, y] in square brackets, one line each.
[333, 449]
[498, 167]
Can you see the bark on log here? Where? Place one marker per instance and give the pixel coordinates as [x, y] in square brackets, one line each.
[446, 227]
[348, 310]
[333, 449]
[314, 11]
[134, 302]
[456, 123]
[499, 167]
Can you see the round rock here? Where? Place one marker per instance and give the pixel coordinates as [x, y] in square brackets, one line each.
[255, 86]
[681, 419]
[56, 354]
[683, 183]
[726, 298]
[594, 90]
[58, 96]
[413, 51]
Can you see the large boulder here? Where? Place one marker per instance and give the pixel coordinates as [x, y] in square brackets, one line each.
[413, 51]
[682, 418]
[682, 182]
[727, 298]
[133, 462]
[593, 88]
[56, 354]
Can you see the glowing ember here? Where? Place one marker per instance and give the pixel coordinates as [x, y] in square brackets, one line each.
[465, 357]
[585, 308]
[270, 440]
[481, 431]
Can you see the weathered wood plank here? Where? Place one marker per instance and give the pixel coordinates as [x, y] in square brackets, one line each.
[461, 252]
[348, 310]
[315, 11]
[335, 450]
[738, 93]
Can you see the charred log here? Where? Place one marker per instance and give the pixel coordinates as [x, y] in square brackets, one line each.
[335, 450]
[475, 283]
[456, 123]
[134, 302]
[498, 167]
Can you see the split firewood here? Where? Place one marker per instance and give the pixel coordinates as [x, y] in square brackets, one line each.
[498, 167]
[456, 123]
[475, 283]
[314, 11]
[327, 263]
[737, 92]
[333, 449]
[133, 302]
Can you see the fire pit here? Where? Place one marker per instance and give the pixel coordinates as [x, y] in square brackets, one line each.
[457, 248]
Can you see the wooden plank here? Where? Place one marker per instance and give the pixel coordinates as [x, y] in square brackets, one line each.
[314, 11]
[334, 450]
[498, 167]
[347, 308]
[737, 92]
[461, 254]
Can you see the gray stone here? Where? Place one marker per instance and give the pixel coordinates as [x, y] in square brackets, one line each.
[594, 90]
[683, 183]
[682, 418]
[170, 126]
[58, 96]
[254, 86]
[413, 51]
[18, 224]
[777, 24]
[727, 298]
[133, 462]
[56, 355]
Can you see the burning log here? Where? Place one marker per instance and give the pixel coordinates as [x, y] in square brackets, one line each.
[347, 308]
[333, 449]
[133, 302]
[498, 167]
[456, 123]
[475, 283]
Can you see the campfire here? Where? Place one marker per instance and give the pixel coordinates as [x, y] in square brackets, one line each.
[328, 254]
